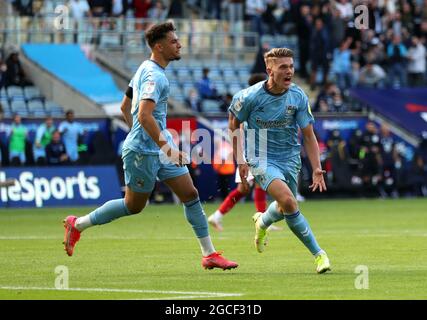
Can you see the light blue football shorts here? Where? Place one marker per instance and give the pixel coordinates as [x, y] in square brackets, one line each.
[286, 171]
[141, 170]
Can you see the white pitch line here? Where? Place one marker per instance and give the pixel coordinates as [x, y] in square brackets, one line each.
[94, 238]
[178, 298]
[186, 294]
[28, 238]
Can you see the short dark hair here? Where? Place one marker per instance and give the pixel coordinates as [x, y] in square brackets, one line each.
[256, 77]
[158, 32]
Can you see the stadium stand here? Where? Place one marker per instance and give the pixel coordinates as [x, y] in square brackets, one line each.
[335, 77]
[78, 71]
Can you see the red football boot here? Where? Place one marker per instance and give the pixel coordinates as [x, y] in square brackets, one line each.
[71, 236]
[215, 260]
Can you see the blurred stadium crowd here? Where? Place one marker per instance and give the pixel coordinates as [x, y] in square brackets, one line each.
[334, 55]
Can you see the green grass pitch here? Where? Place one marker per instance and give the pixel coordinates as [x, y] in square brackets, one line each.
[154, 255]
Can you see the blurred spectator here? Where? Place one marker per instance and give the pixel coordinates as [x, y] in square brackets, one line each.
[102, 150]
[141, 11]
[176, 9]
[79, 9]
[24, 7]
[223, 164]
[418, 176]
[43, 138]
[55, 150]
[83, 149]
[15, 75]
[370, 155]
[337, 27]
[17, 141]
[319, 51]
[341, 65]
[375, 17]
[70, 132]
[226, 102]
[269, 18]
[395, 23]
[417, 63]
[354, 144]
[396, 53]
[100, 8]
[259, 63]
[119, 8]
[193, 101]
[205, 87]
[256, 77]
[303, 23]
[4, 152]
[338, 160]
[329, 99]
[345, 9]
[422, 148]
[235, 13]
[389, 180]
[254, 11]
[158, 11]
[371, 76]
[3, 76]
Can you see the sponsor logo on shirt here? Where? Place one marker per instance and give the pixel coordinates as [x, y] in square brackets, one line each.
[273, 124]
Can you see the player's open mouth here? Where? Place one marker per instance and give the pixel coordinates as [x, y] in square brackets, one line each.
[288, 79]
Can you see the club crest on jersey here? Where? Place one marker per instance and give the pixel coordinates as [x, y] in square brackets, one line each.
[238, 105]
[150, 87]
[290, 110]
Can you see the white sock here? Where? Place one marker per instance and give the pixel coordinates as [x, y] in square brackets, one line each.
[206, 246]
[83, 223]
[218, 215]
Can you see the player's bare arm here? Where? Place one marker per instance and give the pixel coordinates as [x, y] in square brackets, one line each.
[126, 107]
[312, 150]
[148, 122]
[237, 143]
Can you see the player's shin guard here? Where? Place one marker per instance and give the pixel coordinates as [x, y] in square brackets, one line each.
[196, 217]
[301, 229]
[108, 212]
[272, 215]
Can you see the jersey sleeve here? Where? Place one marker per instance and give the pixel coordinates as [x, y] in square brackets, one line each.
[240, 106]
[62, 127]
[304, 115]
[151, 88]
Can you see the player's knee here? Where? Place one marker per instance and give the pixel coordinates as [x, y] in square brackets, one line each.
[191, 194]
[135, 208]
[289, 204]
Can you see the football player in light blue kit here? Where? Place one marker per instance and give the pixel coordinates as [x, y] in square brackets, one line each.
[70, 131]
[273, 110]
[149, 152]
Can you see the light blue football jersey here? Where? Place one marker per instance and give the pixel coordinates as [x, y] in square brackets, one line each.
[149, 82]
[271, 133]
